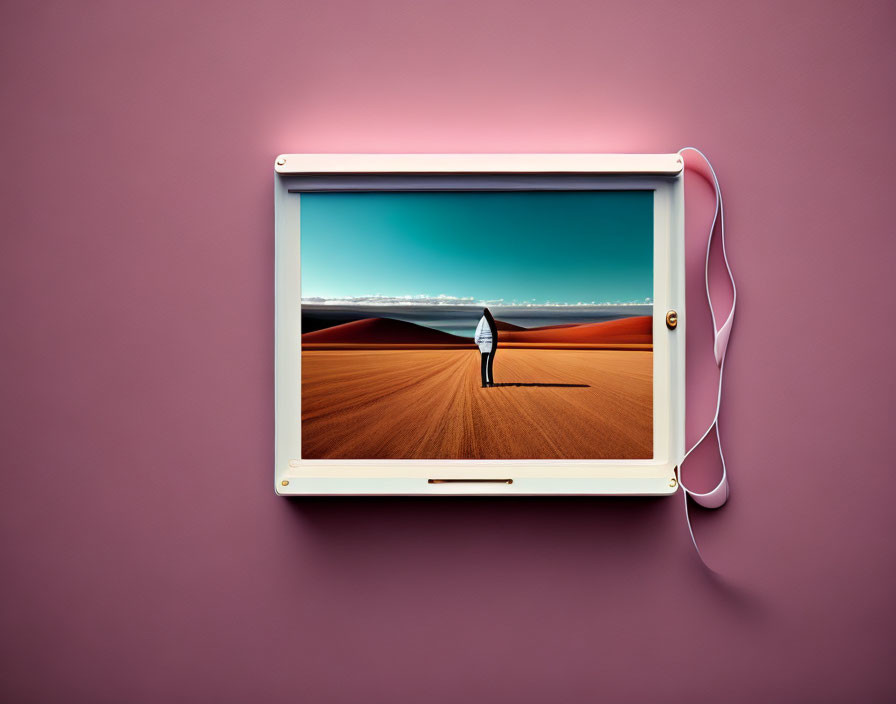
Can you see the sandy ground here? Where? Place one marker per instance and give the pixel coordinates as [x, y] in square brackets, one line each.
[428, 404]
[312, 346]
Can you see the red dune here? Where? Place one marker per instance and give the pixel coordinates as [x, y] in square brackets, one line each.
[383, 331]
[636, 330]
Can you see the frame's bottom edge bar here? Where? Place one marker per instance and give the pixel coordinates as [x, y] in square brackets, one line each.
[640, 486]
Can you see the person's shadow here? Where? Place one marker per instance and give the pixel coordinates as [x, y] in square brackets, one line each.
[522, 383]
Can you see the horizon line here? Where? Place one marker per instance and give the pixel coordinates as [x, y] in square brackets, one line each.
[435, 301]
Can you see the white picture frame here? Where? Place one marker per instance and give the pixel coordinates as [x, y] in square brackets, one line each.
[661, 173]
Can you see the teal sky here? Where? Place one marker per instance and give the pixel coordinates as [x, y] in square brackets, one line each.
[564, 247]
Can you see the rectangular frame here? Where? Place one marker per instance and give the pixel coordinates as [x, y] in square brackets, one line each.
[661, 173]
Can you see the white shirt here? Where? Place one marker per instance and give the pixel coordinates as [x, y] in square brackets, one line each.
[483, 336]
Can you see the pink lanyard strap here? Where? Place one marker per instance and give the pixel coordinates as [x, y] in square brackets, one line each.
[719, 495]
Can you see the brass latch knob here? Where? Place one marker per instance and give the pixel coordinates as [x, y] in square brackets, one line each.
[672, 319]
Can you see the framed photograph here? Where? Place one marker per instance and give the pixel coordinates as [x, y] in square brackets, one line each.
[479, 324]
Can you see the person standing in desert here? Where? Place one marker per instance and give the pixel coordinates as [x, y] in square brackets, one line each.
[487, 338]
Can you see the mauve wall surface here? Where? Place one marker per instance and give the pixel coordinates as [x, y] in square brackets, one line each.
[145, 557]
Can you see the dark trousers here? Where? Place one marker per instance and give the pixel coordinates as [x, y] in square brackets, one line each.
[487, 363]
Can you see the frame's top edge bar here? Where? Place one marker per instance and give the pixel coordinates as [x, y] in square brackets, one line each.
[658, 164]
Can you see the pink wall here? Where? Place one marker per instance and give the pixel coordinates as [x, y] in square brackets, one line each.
[144, 555]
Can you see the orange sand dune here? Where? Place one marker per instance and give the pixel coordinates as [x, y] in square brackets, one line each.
[635, 330]
[428, 404]
[383, 331]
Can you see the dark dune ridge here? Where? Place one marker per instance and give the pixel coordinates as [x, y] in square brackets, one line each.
[322, 318]
[383, 331]
[501, 325]
[387, 331]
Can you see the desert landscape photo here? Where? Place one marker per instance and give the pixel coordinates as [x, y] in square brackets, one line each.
[397, 375]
